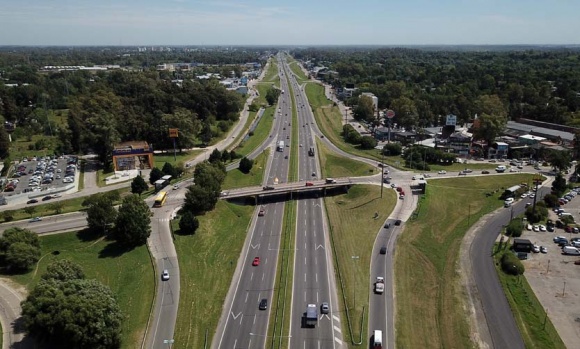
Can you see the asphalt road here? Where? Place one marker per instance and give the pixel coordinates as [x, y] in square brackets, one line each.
[313, 281]
[242, 324]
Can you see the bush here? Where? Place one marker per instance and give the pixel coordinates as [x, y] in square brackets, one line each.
[515, 228]
[392, 149]
[368, 142]
[537, 215]
[510, 264]
[551, 200]
[246, 165]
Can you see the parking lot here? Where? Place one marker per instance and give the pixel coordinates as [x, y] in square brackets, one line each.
[555, 278]
[36, 177]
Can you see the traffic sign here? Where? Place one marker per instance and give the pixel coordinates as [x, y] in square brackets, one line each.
[390, 114]
[173, 132]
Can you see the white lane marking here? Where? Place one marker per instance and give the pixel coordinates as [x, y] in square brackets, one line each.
[304, 277]
[249, 344]
[255, 246]
[304, 246]
[337, 329]
[319, 246]
[263, 276]
[314, 232]
[316, 277]
[305, 260]
[235, 316]
[338, 341]
[235, 342]
[254, 319]
[336, 318]
[317, 300]
[247, 294]
[252, 277]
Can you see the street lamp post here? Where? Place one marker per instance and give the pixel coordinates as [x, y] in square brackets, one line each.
[354, 258]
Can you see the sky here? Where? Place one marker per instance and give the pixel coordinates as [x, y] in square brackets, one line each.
[289, 22]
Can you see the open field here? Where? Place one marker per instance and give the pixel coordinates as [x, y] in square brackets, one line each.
[347, 213]
[535, 327]
[129, 274]
[333, 165]
[272, 72]
[300, 76]
[207, 261]
[161, 159]
[238, 179]
[430, 301]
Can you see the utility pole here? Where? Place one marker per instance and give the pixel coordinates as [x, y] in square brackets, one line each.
[382, 171]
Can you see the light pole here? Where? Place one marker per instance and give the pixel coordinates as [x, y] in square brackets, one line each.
[354, 258]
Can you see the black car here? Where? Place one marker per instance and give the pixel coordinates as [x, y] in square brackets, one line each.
[387, 225]
[384, 250]
[33, 201]
[46, 198]
[263, 304]
[398, 222]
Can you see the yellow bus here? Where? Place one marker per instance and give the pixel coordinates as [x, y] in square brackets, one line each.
[160, 199]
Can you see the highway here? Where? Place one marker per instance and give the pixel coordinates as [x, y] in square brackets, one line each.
[242, 324]
[313, 281]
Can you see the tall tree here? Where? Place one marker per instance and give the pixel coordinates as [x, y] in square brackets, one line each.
[188, 223]
[100, 213]
[490, 126]
[365, 109]
[4, 140]
[133, 224]
[138, 185]
[63, 270]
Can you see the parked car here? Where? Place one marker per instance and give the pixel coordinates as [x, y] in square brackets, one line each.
[32, 201]
[543, 249]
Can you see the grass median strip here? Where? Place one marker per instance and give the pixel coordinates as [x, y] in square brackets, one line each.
[347, 214]
[430, 301]
[207, 261]
[129, 274]
[237, 179]
[535, 326]
[333, 165]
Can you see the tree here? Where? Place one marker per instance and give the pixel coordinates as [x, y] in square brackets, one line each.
[133, 225]
[155, 175]
[560, 160]
[551, 200]
[188, 223]
[100, 212]
[272, 95]
[246, 165]
[138, 185]
[30, 210]
[490, 126]
[57, 207]
[21, 256]
[14, 235]
[199, 199]
[515, 228]
[63, 270]
[215, 156]
[365, 109]
[7, 215]
[168, 169]
[559, 185]
[392, 149]
[4, 141]
[226, 156]
[73, 314]
[368, 142]
[510, 264]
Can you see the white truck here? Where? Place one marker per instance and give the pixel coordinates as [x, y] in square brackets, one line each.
[380, 285]
[311, 315]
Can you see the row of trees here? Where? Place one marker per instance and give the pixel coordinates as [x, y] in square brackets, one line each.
[351, 136]
[66, 310]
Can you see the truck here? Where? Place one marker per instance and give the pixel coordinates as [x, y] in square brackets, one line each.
[330, 181]
[311, 315]
[380, 285]
[280, 146]
[500, 169]
[311, 151]
[377, 339]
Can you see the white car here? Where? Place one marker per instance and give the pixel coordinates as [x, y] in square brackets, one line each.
[414, 178]
[536, 249]
[536, 228]
[529, 227]
[542, 227]
[442, 172]
[524, 195]
[165, 275]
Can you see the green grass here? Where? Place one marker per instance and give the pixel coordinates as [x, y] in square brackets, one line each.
[272, 72]
[207, 261]
[129, 275]
[347, 213]
[339, 166]
[238, 179]
[160, 159]
[261, 133]
[329, 120]
[293, 168]
[279, 328]
[535, 327]
[301, 77]
[430, 298]
[70, 205]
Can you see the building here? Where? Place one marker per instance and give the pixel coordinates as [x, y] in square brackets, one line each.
[498, 150]
[132, 155]
[522, 245]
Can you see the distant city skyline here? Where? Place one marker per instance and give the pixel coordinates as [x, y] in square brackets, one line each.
[296, 22]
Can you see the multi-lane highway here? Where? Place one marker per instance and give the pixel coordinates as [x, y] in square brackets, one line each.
[243, 324]
[313, 281]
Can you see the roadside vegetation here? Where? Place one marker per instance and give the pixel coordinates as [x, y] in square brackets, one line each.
[333, 165]
[272, 72]
[430, 301]
[237, 179]
[207, 260]
[300, 76]
[535, 326]
[347, 213]
[128, 273]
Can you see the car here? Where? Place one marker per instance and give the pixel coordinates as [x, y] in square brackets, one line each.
[522, 255]
[542, 227]
[442, 172]
[485, 172]
[398, 222]
[36, 219]
[263, 304]
[324, 308]
[467, 170]
[462, 173]
[528, 204]
[300, 145]
[383, 250]
[393, 185]
[256, 261]
[387, 225]
[414, 178]
[402, 196]
[32, 201]
[536, 228]
[399, 189]
[268, 187]
[165, 275]
[529, 227]
[46, 198]
[313, 174]
[536, 249]
[557, 239]
[543, 249]
[524, 195]
[261, 213]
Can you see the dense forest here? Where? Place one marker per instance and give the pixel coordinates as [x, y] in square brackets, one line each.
[107, 107]
[422, 85]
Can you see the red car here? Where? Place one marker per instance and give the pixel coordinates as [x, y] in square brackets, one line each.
[399, 189]
[256, 261]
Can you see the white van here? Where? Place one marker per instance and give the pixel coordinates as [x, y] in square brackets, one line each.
[564, 214]
[500, 168]
[571, 250]
[378, 339]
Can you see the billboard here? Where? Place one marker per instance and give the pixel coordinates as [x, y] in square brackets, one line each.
[451, 120]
